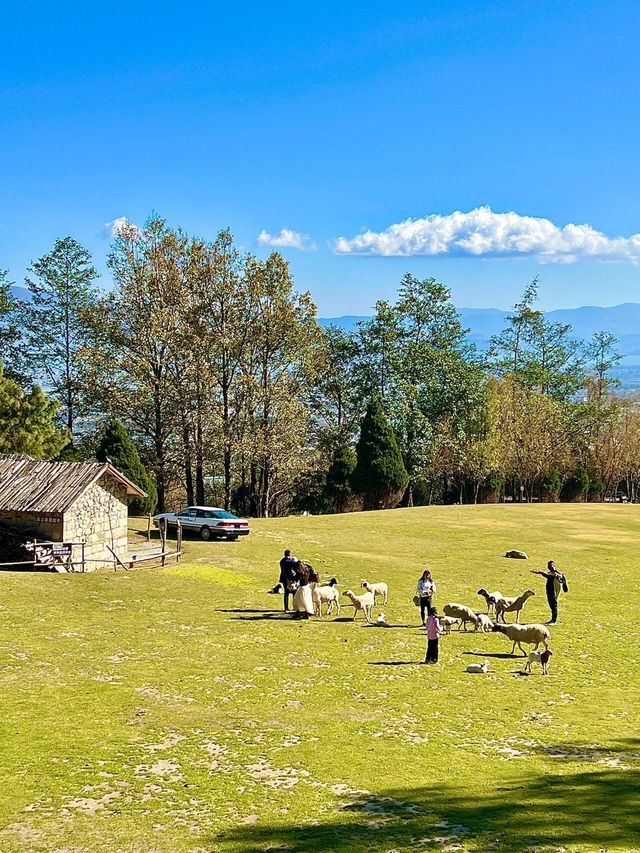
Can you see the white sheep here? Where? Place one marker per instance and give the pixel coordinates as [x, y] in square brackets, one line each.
[462, 612]
[508, 605]
[484, 623]
[534, 634]
[377, 589]
[326, 594]
[447, 622]
[479, 667]
[364, 602]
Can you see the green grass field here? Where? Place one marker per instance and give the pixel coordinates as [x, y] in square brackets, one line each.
[177, 710]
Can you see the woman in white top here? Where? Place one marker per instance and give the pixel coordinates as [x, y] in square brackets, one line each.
[425, 589]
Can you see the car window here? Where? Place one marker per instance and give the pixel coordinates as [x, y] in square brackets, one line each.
[221, 513]
[206, 513]
[187, 513]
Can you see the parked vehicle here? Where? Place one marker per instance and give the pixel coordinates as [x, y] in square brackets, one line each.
[209, 522]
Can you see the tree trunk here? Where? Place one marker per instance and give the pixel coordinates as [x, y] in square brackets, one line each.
[188, 472]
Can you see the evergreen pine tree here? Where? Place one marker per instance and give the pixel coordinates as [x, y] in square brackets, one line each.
[379, 476]
[28, 421]
[117, 448]
[338, 485]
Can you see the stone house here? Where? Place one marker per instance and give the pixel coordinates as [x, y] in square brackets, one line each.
[80, 502]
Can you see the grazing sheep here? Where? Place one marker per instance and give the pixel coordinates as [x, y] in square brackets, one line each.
[328, 595]
[363, 602]
[534, 634]
[332, 582]
[484, 623]
[490, 598]
[479, 667]
[377, 589]
[507, 605]
[278, 589]
[446, 623]
[516, 555]
[462, 612]
[382, 622]
[541, 658]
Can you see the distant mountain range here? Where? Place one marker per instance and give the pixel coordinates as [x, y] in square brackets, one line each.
[622, 320]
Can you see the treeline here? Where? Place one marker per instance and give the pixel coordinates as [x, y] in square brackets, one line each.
[233, 394]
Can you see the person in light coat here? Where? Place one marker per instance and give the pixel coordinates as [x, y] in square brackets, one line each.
[426, 590]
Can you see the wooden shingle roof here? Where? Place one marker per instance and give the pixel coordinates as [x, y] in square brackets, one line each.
[30, 485]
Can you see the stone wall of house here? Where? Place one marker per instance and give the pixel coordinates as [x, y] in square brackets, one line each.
[49, 525]
[99, 517]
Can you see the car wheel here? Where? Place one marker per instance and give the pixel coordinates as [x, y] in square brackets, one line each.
[205, 533]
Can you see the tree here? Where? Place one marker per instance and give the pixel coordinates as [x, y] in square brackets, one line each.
[61, 291]
[537, 353]
[507, 350]
[117, 448]
[127, 363]
[603, 357]
[10, 334]
[281, 367]
[338, 482]
[28, 421]
[379, 476]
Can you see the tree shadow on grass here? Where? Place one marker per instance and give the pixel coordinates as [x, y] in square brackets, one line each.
[252, 610]
[595, 807]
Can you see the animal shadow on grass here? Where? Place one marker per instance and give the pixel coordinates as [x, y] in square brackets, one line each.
[393, 662]
[599, 807]
[499, 655]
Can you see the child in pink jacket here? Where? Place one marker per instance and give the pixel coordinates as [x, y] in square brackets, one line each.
[433, 632]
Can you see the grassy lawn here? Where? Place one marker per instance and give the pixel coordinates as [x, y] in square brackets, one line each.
[177, 710]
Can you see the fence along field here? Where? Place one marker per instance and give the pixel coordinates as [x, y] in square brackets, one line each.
[178, 710]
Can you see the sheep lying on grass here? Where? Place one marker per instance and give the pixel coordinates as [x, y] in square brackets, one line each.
[479, 667]
[377, 589]
[534, 634]
[483, 624]
[462, 612]
[539, 657]
[326, 594]
[508, 605]
[364, 602]
[447, 622]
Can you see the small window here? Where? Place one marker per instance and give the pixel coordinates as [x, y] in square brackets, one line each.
[224, 514]
[187, 513]
[206, 513]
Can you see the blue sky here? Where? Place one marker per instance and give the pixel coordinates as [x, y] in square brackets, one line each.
[331, 120]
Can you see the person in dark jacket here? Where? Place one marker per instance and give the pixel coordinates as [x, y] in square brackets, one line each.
[288, 576]
[555, 583]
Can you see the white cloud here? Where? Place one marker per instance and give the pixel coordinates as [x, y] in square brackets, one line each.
[483, 233]
[286, 239]
[116, 226]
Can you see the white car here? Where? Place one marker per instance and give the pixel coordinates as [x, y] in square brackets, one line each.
[209, 521]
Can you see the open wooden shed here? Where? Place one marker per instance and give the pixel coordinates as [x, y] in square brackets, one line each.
[69, 502]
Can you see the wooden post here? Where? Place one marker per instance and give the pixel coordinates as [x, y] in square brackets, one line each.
[84, 567]
[149, 527]
[178, 542]
[163, 538]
